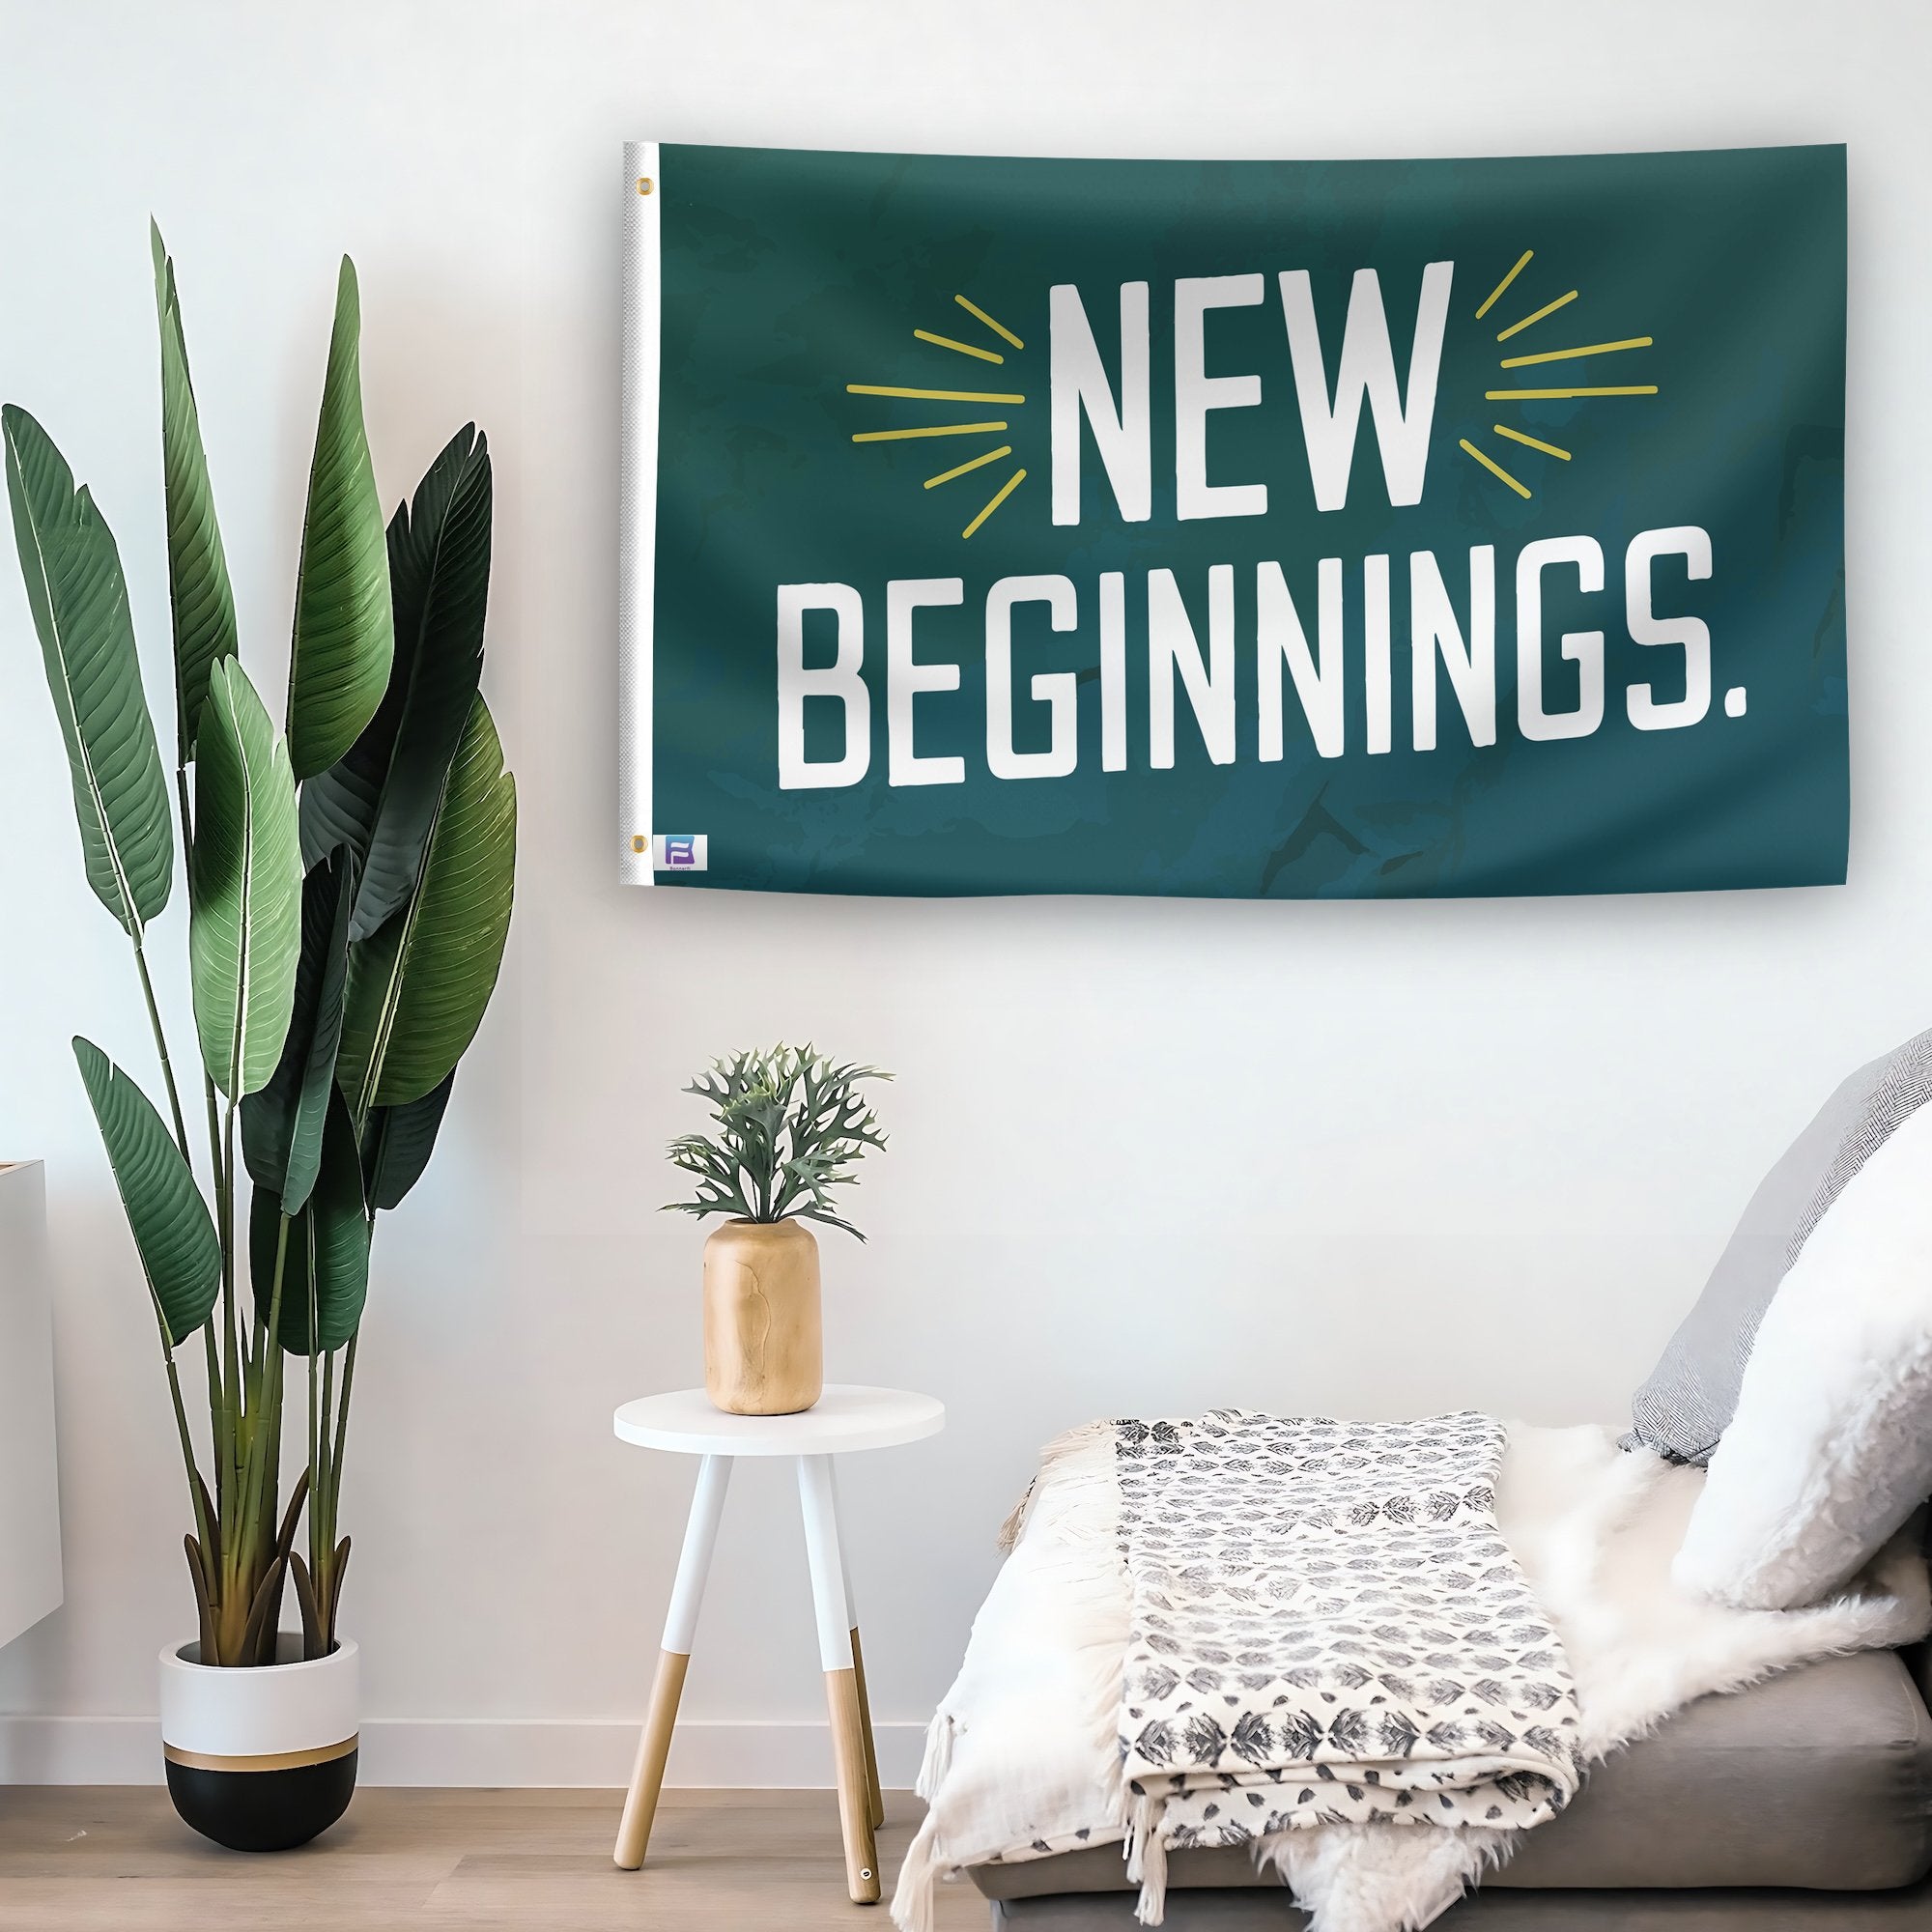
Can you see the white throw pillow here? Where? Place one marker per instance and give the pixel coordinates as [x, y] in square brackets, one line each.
[1830, 1449]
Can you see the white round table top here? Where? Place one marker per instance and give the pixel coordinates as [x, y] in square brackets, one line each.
[845, 1417]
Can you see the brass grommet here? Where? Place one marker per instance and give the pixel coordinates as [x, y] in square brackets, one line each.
[644, 184]
[638, 841]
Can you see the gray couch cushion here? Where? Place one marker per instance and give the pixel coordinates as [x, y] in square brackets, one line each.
[1693, 1393]
[1488, 1911]
[1820, 1779]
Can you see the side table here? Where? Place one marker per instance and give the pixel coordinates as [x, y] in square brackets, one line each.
[845, 1419]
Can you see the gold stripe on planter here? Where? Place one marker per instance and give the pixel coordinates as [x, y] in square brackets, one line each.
[267, 1761]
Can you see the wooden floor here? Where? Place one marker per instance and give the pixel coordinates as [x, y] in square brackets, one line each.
[77, 1860]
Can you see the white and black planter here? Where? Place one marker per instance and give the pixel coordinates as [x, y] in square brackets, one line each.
[261, 1760]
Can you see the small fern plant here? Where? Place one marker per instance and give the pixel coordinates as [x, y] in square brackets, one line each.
[790, 1127]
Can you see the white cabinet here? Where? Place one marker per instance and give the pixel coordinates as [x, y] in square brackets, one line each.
[30, 1557]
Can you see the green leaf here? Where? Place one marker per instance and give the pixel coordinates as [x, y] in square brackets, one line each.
[380, 797]
[398, 1142]
[418, 987]
[79, 601]
[791, 1127]
[344, 636]
[173, 1232]
[245, 882]
[198, 589]
[326, 1264]
[281, 1126]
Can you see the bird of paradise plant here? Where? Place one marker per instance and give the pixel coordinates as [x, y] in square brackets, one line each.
[349, 883]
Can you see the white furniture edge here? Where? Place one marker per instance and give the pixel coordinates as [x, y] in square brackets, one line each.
[847, 1417]
[30, 1549]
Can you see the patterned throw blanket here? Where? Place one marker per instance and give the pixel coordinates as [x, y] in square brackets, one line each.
[1326, 1627]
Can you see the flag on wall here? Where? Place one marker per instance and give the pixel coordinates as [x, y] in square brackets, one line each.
[1233, 529]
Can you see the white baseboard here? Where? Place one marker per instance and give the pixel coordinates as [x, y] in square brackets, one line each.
[479, 1751]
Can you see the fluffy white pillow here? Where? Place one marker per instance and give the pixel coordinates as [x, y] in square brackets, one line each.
[1830, 1449]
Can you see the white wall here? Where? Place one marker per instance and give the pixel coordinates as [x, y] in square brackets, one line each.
[1148, 1156]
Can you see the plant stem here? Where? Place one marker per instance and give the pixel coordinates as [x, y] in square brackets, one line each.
[194, 1487]
[242, 1566]
[219, 1433]
[162, 1047]
[216, 1436]
[190, 1468]
[315, 1439]
[267, 1406]
[341, 1423]
[322, 1521]
[231, 1359]
[323, 1544]
[235, 1417]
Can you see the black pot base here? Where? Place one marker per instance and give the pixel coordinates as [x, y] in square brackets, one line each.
[263, 1810]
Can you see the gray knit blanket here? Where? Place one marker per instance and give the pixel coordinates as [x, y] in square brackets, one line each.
[1327, 1627]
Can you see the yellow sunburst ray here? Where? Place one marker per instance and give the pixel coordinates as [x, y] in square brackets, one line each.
[1523, 261]
[1532, 441]
[931, 395]
[1571, 354]
[1494, 468]
[975, 462]
[929, 429]
[1567, 395]
[1000, 496]
[999, 329]
[960, 348]
[1547, 308]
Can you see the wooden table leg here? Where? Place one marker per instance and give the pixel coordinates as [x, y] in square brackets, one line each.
[855, 1806]
[820, 1509]
[875, 1797]
[878, 1797]
[693, 1564]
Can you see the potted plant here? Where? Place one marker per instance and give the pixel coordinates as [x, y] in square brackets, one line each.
[790, 1127]
[349, 885]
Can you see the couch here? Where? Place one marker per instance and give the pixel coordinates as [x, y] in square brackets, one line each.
[1802, 1804]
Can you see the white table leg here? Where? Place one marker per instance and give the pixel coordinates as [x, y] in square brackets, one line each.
[875, 1794]
[693, 1565]
[818, 1504]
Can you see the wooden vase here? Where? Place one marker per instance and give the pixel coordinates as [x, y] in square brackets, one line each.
[764, 1348]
